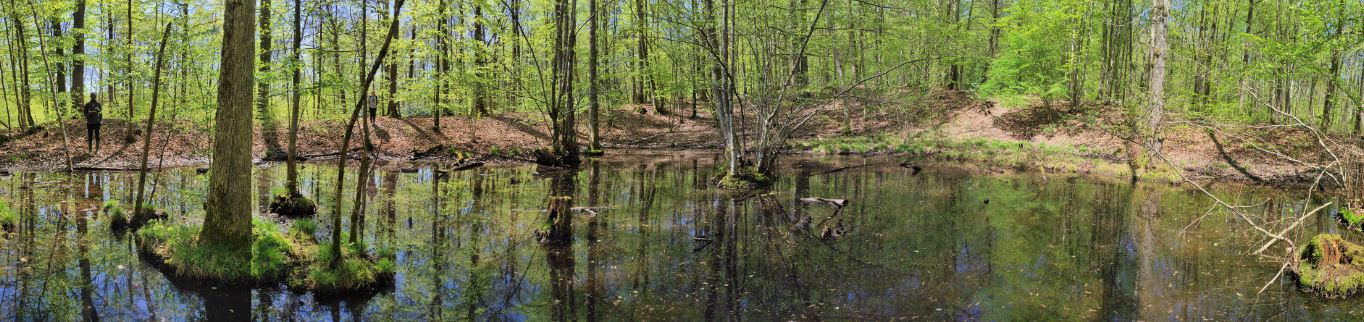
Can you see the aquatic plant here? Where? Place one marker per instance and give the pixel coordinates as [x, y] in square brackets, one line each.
[176, 247]
[8, 218]
[1331, 266]
[118, 218]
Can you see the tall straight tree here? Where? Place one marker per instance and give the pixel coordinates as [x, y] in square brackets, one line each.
[391, 75]
[263, 85]
[642, 59]
[594, 101]
[78, 56]
[480, 44]
[227, 221]
[442, 65]
[1160, 11]
[296, 65]
[128, 47]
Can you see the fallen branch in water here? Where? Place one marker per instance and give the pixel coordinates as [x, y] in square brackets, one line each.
[837, 203]
[843, 168]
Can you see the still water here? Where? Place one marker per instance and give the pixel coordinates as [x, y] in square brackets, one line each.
[651, 241]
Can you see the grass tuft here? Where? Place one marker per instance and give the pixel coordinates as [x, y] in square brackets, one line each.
[356, 272]
[176, 247]
[9, 219]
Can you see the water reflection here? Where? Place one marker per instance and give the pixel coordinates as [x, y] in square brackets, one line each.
[642, 238]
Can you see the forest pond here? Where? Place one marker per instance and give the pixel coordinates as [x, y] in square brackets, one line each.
[652, 241]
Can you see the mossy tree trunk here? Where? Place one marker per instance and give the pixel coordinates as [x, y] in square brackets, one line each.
[228, 218]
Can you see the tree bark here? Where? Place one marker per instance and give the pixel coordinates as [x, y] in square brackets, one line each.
[1159, 13]
[263, 85]
[78, 56]
[227, 221]
[291, 176]
[594, 101]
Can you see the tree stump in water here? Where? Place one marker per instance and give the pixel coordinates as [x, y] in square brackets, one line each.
[560, 222]
[1331, 266]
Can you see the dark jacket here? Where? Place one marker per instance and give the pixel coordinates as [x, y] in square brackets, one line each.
[94, 114]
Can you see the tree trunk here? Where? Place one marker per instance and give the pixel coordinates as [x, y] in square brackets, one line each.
[442, 66]
[481, 44]
[350, 127]
[594, 102]
[263, 85]
[291, 176]
[391, 74]
[1159, 13]
[151, 120]
[562, 108]
[78, 56]
[228, 212]
[1329, 102]
[129, 73]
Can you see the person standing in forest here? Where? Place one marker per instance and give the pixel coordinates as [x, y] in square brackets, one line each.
[94, 117]
[372, 102]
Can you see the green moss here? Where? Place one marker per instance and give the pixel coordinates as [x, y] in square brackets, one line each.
[356, 271]
[293, 206]
[746, 178]
[1331, 266]
[176, 247]
[1351, 218]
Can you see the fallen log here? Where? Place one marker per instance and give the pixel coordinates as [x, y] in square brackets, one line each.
[837, 203]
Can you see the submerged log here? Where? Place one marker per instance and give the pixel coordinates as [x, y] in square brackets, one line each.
[837, 203]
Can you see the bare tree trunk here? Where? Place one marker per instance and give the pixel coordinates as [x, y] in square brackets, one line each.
[78, 56]
[594, 101]
[442, 66]
[350, 129]
[391, 74]
[228, 218]
[1160, 11]
[151, 120]
[1329, 101]
[481, 44]
[291, 176]
[562, 108]
[130, 82]
[263, 97]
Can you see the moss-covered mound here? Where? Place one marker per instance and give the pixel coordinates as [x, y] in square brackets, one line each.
[1331, 266]
[119, 220]
[294, 206]
[176, 248]
[357, 272]
[1351, 218]
[746, 178]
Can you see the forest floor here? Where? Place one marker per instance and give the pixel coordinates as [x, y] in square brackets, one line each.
[942, 125]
